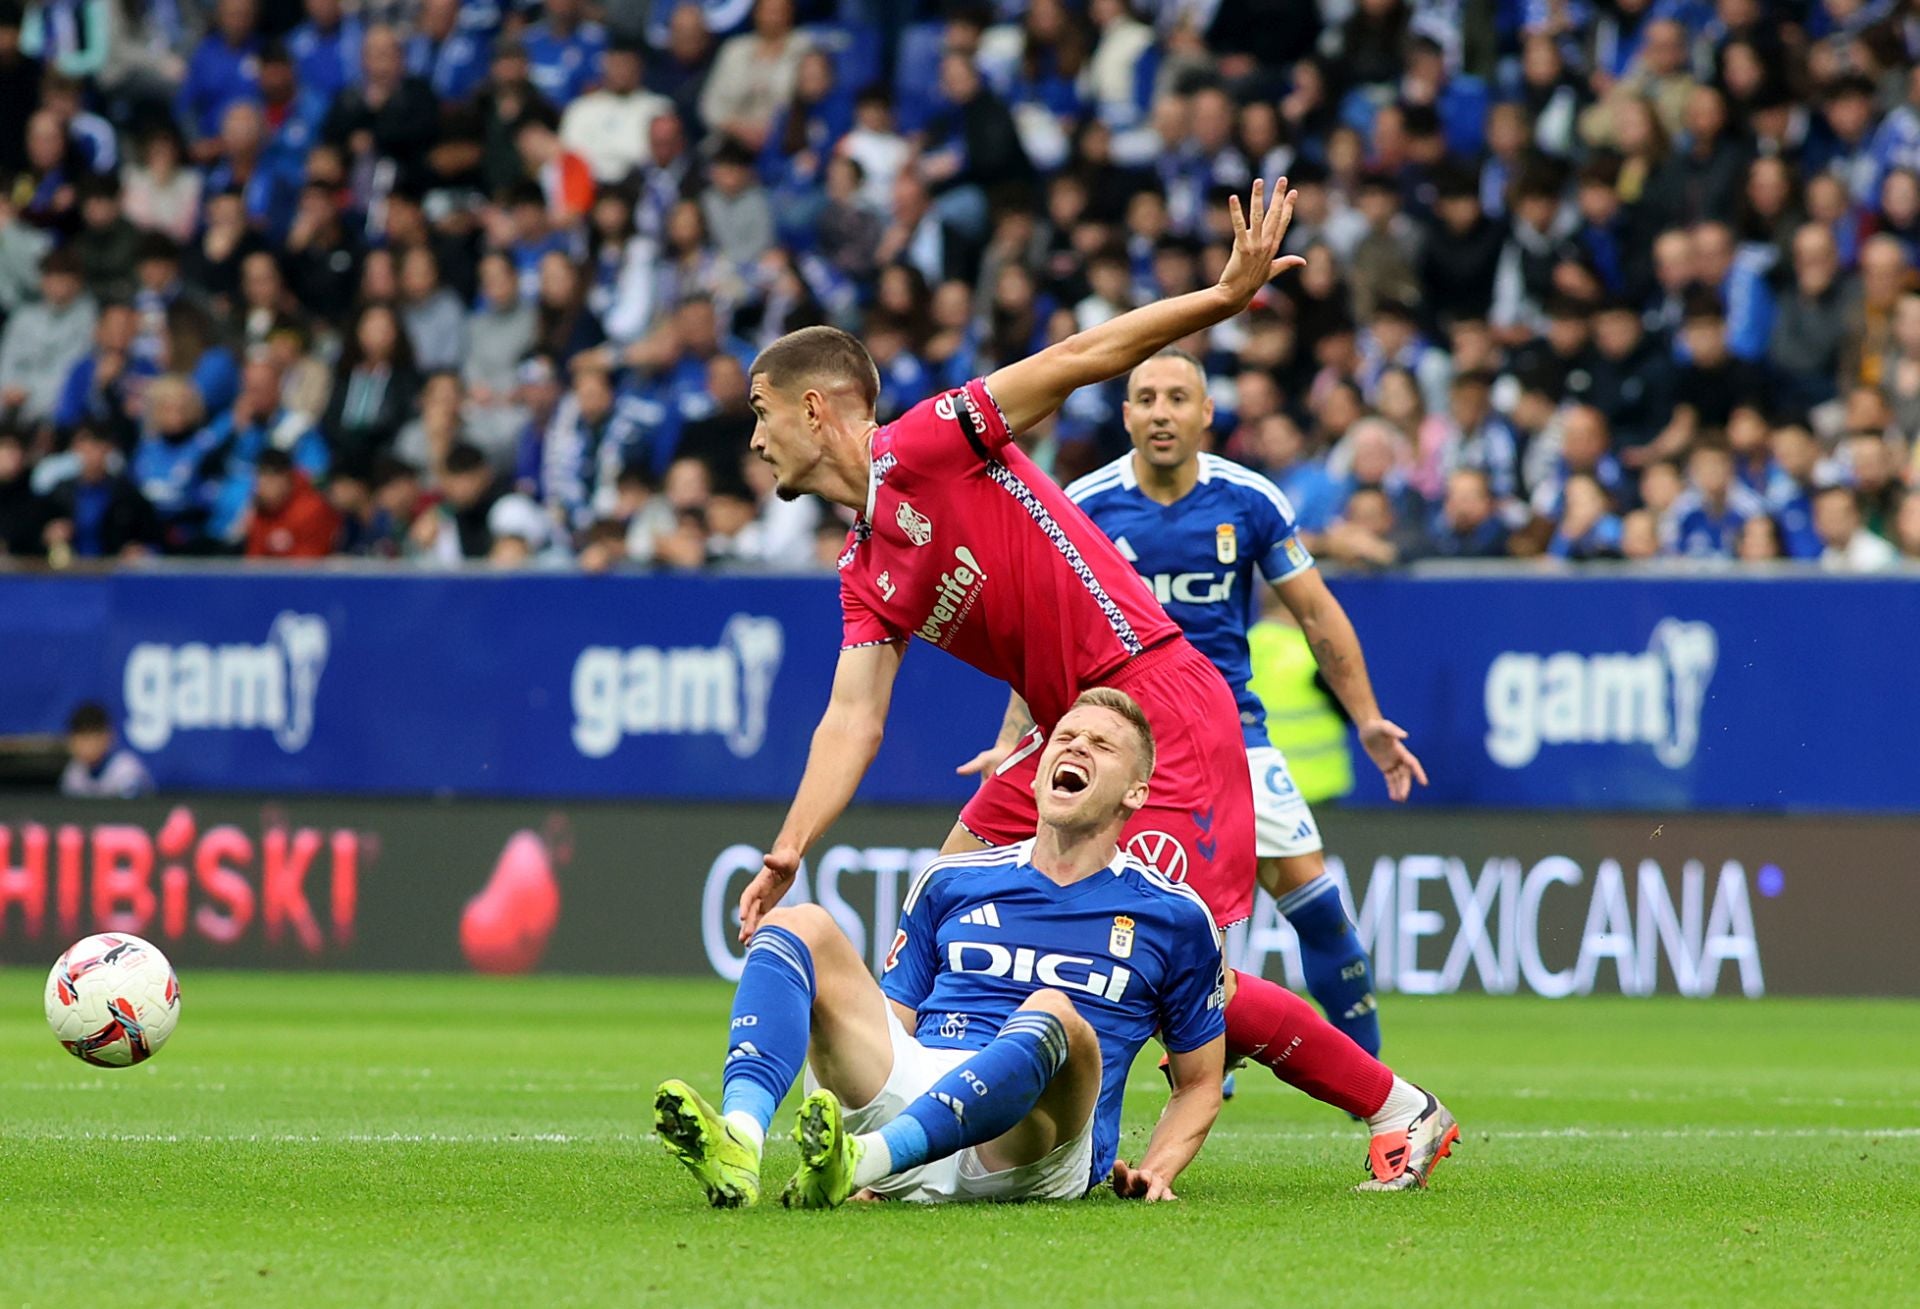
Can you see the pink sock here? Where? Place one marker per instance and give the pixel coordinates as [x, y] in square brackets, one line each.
[1271, 1025]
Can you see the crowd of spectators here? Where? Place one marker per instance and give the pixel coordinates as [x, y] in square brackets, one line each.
[458, 280]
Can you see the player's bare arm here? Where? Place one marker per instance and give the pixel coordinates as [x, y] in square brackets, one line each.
[843, 747]
[1017, 723]
[1336, 649]
[1031, 389]
[1182, 1128]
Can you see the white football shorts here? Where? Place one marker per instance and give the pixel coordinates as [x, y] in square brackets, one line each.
[1062, 1175]
[1282, 824]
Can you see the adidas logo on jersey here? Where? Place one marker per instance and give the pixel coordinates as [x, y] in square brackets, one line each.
[985, 916]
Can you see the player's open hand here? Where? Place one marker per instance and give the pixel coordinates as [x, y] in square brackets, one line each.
[1131, 1183]
[776, 874]
[1257, 234]
[1386, 746]
[985, 762]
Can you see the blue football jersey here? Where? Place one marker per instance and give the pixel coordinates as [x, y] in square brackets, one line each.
[1199, 555]
[979, 933]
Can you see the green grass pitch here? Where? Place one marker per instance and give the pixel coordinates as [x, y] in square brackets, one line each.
[334, 1140]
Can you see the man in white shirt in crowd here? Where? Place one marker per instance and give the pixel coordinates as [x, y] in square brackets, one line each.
[608, 127]
[1850, 547]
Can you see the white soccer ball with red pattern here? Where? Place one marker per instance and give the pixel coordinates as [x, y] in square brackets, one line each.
[113, 1000]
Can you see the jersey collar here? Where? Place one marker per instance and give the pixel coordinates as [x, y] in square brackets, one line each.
[873, 483]
[1116, 865]
[1128, 478]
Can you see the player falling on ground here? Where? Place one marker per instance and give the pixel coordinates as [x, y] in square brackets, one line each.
[964, 543]
[1197, 527]
[990, 1061]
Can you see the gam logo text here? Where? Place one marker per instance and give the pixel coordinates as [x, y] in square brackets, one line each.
[1652, 698]
[196, 687]
[718, 690]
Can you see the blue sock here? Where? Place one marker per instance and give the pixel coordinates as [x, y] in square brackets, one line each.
[772, 1012]
[985, 1096]
[1339, 977]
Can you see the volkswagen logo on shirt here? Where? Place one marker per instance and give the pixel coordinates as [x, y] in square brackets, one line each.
[1160, 852]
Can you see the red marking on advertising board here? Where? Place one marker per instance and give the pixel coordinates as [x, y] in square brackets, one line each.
[178, 882]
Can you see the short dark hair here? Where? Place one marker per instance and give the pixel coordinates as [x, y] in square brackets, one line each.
[386, 469]
[1854, 84]
[274, 460]
[1538, 181]
[733, 152]
[1420, 120]
[89, 716]
[465, 457]
[1703, 303]
[1171, 352]
[823, 354]
[158, 245]
[1456, 183]
[1119, 702]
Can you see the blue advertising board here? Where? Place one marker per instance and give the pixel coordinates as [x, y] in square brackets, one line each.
[1658, 693]
[505, 684]
[1602, 692]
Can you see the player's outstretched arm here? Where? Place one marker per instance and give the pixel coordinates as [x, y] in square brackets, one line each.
[1336, 648]
[1031, 389]
[843, 747]
[1182, 1129]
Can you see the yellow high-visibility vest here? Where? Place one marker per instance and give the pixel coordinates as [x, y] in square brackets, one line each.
[1302, 721]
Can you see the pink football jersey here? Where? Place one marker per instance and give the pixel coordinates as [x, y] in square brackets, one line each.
[969, 546]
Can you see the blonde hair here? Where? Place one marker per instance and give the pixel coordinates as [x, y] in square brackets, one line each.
[1119, 702]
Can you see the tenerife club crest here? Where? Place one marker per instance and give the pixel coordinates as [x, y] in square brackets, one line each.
[917, 526]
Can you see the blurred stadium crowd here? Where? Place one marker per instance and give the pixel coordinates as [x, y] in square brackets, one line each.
[471, 279]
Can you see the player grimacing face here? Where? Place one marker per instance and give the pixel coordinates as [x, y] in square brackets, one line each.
[784, 437]
[1090, 771]
[1167, 412]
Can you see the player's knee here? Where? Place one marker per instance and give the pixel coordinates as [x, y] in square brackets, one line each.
[809, 922]
[1057, 1003]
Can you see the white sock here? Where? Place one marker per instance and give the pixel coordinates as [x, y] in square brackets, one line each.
[749, 1126]
[1404, 1102]
[875, 1164]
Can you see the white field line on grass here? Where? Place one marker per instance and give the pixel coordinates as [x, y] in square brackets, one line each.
[1229, 1133]
[1610, 1133]
[325, 1138]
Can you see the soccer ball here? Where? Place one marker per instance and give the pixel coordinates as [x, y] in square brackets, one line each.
[113, 1000]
